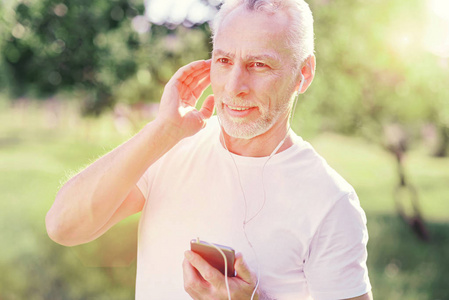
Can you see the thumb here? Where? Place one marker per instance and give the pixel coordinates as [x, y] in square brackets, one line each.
[207, 109]
[242, 269]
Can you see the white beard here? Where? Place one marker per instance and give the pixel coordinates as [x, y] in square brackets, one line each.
[248, 129]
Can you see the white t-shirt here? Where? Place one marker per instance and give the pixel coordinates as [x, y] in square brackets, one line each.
[309, 237]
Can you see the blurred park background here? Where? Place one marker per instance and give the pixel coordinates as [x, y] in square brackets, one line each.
[77, 78]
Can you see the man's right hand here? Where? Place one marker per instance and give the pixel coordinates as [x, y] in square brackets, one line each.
[177, 107]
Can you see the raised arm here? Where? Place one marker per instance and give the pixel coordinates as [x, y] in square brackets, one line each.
[106, 192]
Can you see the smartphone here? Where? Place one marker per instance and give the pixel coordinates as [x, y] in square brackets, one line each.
[214, 257]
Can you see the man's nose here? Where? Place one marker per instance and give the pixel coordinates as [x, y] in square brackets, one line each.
[237, 81]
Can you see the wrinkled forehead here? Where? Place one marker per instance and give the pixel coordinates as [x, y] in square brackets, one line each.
[254, 33]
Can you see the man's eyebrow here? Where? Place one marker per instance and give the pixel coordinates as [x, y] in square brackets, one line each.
[262, 57]
[222, 53]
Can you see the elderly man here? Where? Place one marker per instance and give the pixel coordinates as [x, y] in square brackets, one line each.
[242, 179]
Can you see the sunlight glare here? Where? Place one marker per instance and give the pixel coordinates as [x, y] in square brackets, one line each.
[440, 8]
[437, 36]
[177, 11]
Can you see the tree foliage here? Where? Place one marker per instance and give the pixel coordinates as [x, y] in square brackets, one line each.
[161, 54]
[60, 44]
[372, 69]
[95, 47]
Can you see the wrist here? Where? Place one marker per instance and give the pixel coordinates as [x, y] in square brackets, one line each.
[166, 131]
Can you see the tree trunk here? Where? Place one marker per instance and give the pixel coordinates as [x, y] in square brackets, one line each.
[442, 142]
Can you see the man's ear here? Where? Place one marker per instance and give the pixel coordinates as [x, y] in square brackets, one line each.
[308, 71]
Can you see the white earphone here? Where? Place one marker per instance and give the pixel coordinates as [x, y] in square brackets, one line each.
[296, 95]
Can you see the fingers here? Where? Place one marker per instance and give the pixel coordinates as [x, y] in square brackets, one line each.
[202, 85]
[202, 281]
[192, 79]
[191, 69]
[191, 93]
[207, 109]
[207, 272]
[193, 283]
[180, 97]
[195, 74]
[242, 269]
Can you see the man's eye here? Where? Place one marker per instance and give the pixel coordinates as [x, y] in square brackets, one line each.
[259, 64]
[223, 60]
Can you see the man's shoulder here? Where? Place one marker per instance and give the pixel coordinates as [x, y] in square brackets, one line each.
[306, 155]
[313, 171]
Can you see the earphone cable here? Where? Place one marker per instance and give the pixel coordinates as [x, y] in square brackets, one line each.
[246, 221]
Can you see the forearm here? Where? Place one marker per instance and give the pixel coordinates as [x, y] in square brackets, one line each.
[88, 200]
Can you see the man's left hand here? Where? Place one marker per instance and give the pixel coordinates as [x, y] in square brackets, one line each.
[202, 281]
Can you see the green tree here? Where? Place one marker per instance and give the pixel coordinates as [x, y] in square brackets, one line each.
[159, 56]
[372, 69]
[60, 44]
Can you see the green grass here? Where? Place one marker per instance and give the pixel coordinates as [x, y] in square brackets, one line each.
[39, 150]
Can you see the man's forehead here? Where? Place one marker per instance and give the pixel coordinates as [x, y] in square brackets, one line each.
[253, 34]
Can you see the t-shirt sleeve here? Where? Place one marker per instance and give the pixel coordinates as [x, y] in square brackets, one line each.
[336, 265]
[145, 182]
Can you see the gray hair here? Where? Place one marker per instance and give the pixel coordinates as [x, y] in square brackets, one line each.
[300, 35]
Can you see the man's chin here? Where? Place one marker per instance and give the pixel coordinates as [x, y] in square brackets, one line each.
[242, 130]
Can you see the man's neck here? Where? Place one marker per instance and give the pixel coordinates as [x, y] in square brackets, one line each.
[262, 145]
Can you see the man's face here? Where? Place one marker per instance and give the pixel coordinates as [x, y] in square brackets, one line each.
[252, 73]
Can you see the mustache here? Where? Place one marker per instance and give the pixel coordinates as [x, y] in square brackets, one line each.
[235, 101]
